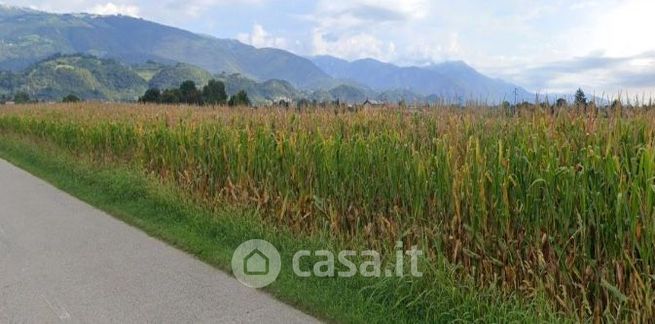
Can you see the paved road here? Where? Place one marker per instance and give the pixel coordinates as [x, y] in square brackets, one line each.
[61, 260]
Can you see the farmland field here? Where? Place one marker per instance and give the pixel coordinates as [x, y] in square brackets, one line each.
[559, 206]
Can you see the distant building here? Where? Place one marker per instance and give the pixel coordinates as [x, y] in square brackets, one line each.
[369, 103]
[10, 103]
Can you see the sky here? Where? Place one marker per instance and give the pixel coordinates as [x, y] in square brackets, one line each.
[604, 46]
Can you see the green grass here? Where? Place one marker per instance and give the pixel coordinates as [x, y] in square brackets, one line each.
[164, 212]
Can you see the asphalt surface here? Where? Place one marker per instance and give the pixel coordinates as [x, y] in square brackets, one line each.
[62, 260]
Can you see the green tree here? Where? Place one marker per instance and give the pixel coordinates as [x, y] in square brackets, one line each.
[506, 107]
[239, 99]
[170, 96]
[616, 104]
[283, 103]
[22, 97]
[214, 93]
[303, 103]
[580, 98]
[152, 95]
[189, 94]
[560, 103]
[71, 98]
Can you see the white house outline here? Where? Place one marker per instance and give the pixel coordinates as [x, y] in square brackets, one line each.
[248, 260]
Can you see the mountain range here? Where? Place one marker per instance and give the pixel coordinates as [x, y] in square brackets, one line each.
[158, 54]
[453, 79]
[94, 78]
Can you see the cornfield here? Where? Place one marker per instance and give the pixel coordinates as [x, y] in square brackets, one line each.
[561, 204]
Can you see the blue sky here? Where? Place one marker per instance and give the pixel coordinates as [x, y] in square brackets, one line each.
[546, 46]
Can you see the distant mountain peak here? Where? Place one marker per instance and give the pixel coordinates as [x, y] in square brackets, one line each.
[135, 40]
[6, 6]
[367, 60]
[449, 79]
[456, 64]
[11, 8]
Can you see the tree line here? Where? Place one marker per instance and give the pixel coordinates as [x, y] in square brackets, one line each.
[19, 97]
[22, 97]
[211, 94]
[580, 103]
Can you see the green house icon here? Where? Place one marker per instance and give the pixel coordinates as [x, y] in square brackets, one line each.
[256, 263]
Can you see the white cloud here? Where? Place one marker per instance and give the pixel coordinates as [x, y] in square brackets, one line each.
[624, 29]
[582, 5]
[596, 73]
[438, 47]
[259, 37]
[115, 9]
[194, 8]
[343, 16]
[358, 28]
[372, 9]
[355, 46]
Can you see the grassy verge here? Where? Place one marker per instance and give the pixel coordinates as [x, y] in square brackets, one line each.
[164, 212]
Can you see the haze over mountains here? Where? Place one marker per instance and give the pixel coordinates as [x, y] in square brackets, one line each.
[449, 79]
[28, 37]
